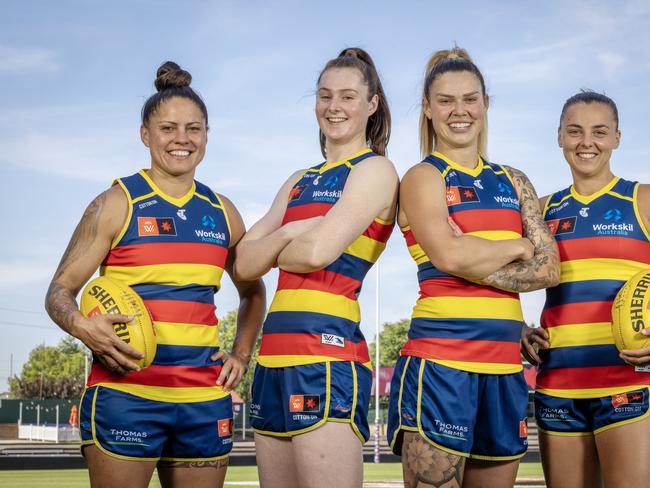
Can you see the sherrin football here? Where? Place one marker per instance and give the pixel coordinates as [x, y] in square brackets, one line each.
[105, 296]
[630, 312]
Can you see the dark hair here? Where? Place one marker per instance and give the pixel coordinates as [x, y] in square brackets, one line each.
[378, 128]
[440, 62]
[171, 81]
[589, 96]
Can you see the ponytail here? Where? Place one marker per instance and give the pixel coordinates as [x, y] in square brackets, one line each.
[378, 128]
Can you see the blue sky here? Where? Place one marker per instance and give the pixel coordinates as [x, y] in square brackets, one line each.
[75, 74]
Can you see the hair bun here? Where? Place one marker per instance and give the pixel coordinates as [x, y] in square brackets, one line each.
[170, 75]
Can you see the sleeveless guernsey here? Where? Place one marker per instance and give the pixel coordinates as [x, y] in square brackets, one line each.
[602, 243]
[314, 317]
[457, 323]
[172, 251]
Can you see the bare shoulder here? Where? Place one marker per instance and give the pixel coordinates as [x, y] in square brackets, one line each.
[378, 163]
[516, 174]
[643, 196]
[644, 192]
[109, 209]
[421, 172]
[237, 226]
[115, 196]
[376, 172]
[227, 202]
[294, 177]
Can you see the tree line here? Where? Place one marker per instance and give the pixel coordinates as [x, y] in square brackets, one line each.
[57, 372]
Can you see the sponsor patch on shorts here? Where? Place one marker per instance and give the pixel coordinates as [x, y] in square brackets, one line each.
[224, 427]
[523, 428]
[304, 403]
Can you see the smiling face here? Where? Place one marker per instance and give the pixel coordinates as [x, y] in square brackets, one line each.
[456, 107]
[587, 135]
[176, 135]
[342, 105]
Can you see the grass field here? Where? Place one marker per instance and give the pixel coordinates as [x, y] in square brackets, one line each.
[78, 478]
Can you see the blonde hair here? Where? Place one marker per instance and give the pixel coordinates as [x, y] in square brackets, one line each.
[440, 62]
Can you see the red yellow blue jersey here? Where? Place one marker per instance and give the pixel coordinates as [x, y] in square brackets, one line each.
[455, 322]
[314, 317]
[172, 252]
[602, 243]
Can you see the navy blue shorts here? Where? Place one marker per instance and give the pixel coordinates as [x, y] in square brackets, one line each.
[296, 399]
[587, 416]
[475, 415]
[134, 428]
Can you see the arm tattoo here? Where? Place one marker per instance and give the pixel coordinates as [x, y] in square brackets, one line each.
[61, 305]
[543, 269]
[60, 302]
[427, 466]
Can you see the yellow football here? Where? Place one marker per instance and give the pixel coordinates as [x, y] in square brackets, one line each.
[108, 296]
[630, 312]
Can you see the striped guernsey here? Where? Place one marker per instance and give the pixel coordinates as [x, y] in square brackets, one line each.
[602, 243]
[457, 323]
[172, 251]
[314, 317]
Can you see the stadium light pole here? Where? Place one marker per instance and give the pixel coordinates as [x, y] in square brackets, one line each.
[376, 459]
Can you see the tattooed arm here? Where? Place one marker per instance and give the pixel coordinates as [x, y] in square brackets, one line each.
[88, 246]
[423, 207]
[543, 270]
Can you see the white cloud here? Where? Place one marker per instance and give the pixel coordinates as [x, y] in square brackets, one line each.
[24, 272]
[612, 62]
[17, 60]
[83, 142]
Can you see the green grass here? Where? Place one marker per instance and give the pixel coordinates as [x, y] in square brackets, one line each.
[78, 478]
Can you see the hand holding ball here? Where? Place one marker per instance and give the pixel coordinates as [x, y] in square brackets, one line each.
[630, 312]
[107, 296]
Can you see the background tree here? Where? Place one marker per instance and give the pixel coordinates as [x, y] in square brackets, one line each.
[391, 339]
[227, 330]
[51, 372]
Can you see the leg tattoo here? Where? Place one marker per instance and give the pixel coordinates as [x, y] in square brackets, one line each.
[427, 466]
[218, 463]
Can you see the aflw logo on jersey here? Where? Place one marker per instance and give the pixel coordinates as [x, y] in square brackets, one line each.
[296, 192]
[461, 194]
[562, 226]
[156, 226]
